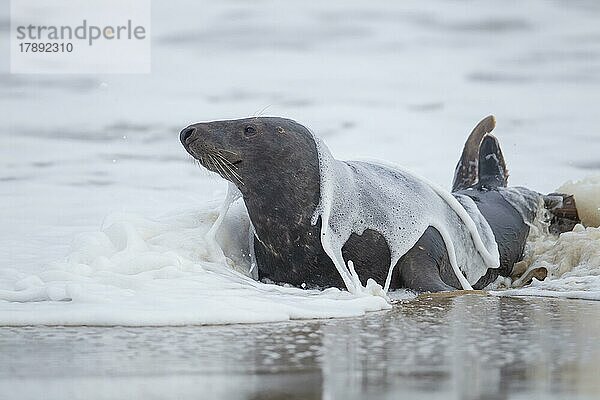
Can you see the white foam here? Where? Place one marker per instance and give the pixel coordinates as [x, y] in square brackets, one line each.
[357, 195]
[529, 204]
[170, 271]
[587, 197]
[572, 259]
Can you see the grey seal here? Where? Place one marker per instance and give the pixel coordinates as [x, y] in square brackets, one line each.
[274, 163]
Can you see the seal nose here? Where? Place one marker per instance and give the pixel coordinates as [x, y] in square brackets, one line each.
[186, 134]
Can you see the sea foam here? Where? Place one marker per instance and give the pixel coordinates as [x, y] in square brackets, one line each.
[571, 260]
[587, 196]
[172, 270]
[361, 195]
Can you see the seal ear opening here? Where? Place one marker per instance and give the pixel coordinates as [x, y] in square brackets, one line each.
[482, 161]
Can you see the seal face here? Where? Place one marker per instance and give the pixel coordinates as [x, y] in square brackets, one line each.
[274, 162]
[265, 148]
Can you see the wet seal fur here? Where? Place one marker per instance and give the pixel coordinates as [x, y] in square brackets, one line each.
[274, 163]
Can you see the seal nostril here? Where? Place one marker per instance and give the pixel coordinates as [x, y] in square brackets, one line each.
[186, 134]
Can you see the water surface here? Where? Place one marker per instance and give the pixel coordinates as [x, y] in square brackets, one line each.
[465, 347]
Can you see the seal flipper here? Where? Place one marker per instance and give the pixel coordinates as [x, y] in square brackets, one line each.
[426, 267]
[482, 162]
[492, 167]
[467, 170]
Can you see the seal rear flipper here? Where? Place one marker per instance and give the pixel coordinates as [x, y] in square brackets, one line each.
[482, 161]
[467, 169]
[492, 167]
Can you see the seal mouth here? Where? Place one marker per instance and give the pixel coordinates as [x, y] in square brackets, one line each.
[200, 144]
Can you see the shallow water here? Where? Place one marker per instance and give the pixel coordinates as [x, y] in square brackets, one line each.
[400, 82]
[403, 82]
[466, 347]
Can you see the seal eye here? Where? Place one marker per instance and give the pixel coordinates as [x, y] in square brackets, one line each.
[249, 131]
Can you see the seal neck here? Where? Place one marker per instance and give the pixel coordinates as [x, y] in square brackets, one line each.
[281, 204]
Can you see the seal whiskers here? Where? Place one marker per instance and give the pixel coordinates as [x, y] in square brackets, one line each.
[219, 168]
[230, 167]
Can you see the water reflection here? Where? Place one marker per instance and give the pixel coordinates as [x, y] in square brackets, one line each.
[467, 347]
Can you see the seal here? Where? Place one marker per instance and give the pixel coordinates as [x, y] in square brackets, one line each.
[276, 165]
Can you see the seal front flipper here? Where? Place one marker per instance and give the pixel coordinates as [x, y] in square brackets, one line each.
[426, 266]
[482, 162]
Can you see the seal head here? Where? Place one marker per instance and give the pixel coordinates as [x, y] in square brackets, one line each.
[274, 163]
[267, 148]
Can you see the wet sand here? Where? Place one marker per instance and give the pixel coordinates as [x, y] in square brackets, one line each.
[469, 347]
